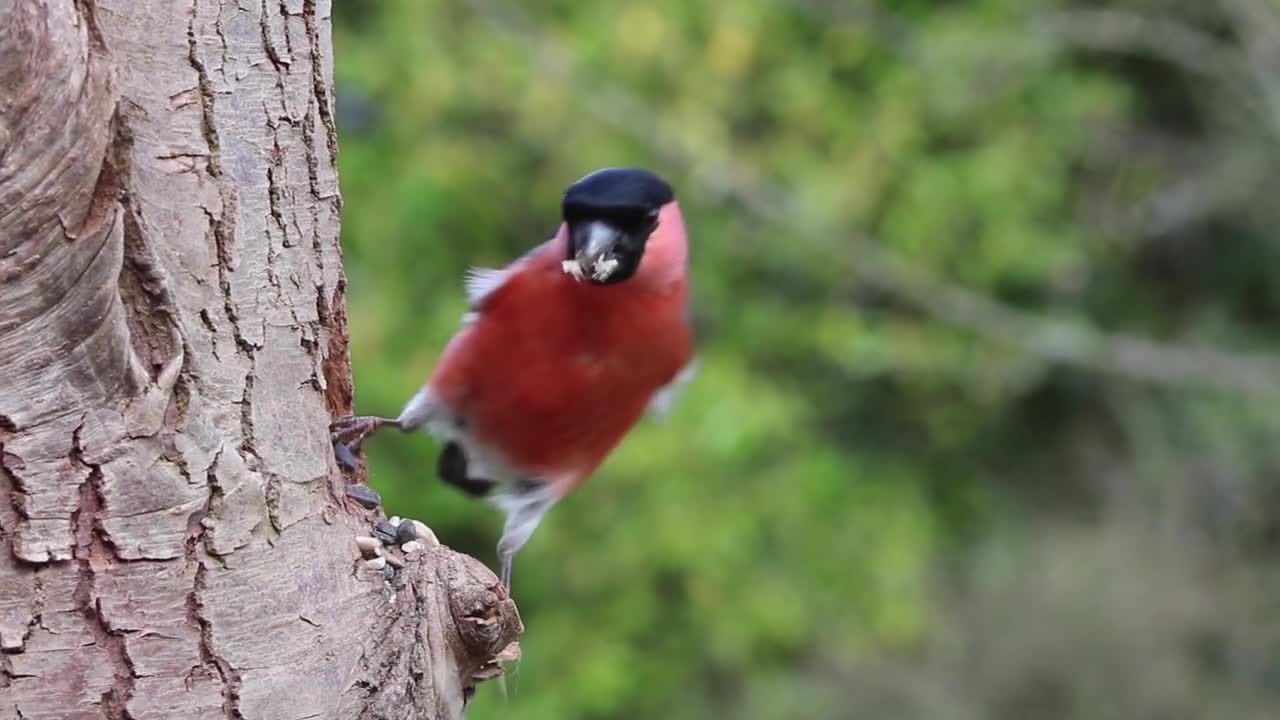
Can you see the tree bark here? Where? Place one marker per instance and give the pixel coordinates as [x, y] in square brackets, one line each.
[174, 536]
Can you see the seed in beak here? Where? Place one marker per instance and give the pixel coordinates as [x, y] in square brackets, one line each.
[603, 268]
[574, 268]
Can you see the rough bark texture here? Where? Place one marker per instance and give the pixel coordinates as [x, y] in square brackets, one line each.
[174, 540]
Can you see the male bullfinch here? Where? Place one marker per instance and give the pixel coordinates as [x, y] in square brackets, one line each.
[560, 355]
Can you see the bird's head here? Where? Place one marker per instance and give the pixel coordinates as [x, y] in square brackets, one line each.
[611, 216]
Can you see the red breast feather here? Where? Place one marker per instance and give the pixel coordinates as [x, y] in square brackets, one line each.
[552, 373]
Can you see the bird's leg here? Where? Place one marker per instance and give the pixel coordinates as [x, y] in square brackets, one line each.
[348, 432]
[506, 558]
[525, 505]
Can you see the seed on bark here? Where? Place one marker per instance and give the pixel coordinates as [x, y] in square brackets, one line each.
[386, 532]
[406, 532]
[364, 495]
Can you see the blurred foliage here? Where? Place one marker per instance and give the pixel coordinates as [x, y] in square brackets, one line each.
[924, 472]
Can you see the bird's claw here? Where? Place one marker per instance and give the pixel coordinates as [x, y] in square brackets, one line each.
[348, 432]
[353, 429]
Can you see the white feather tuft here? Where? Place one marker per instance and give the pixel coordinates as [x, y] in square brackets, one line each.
[481, 282]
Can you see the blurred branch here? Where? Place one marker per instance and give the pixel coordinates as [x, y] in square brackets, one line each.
[1071, 341]
[1125, 31]
[1053, 339]
[1197, 196]
[1258, 26]
[1211, 185]
[884, 26]
[1248, 69]
[1250, 73]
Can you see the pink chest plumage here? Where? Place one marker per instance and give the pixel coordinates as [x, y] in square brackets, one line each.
[553, 373]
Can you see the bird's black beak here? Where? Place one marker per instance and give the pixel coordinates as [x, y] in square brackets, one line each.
[594, 244]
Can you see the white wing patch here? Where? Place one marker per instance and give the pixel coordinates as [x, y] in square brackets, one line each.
[481, 282]
[662, 401]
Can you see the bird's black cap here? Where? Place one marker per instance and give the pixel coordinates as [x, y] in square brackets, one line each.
[618, 189]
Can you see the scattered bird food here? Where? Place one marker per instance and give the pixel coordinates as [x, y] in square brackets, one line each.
[365, 495]
[392, 541]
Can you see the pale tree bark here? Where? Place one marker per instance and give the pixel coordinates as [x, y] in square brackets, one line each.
[174, 536]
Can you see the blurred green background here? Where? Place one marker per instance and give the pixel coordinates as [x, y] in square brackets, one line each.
[987, 420]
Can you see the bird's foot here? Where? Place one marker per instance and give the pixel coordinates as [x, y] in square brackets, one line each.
[348, 432]
[393, 543]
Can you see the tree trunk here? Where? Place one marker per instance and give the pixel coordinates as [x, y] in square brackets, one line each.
[174, 536]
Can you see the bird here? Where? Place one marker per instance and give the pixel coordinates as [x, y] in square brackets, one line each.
[560, 355]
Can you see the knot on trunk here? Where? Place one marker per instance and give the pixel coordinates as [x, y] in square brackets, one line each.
[448, 626]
